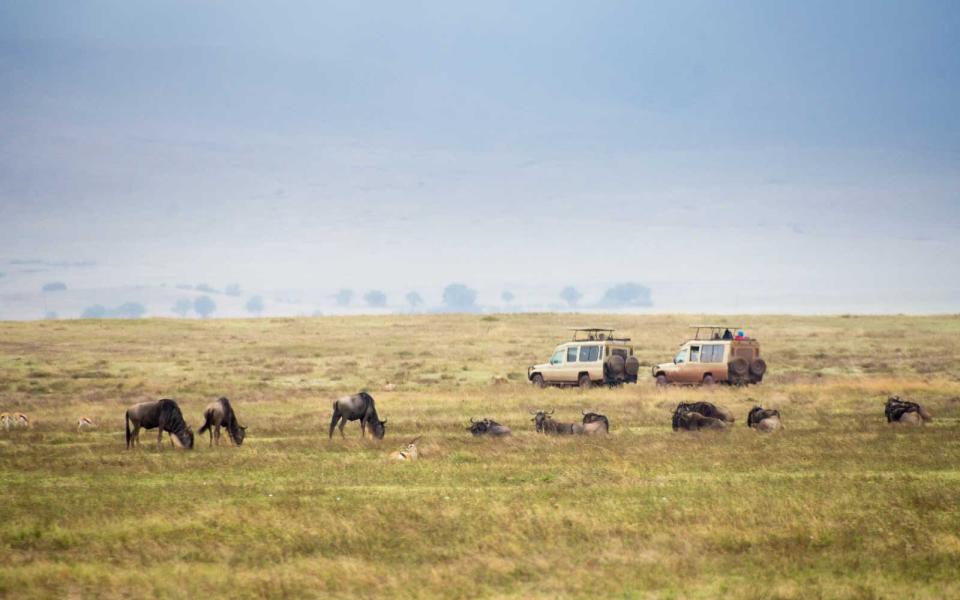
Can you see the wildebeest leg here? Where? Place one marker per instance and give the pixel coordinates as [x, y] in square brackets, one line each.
[218, 434]
[333, 422]
[210, 430]
[363, 428]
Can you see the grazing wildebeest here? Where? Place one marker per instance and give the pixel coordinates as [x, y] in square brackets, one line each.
[546, 424]
[705, 409]
[764, 419]
[905, 412]
[163, 414]
[594, 422]
[85, 423]
[359, 406]
[409, 453]
[220, 414]
[488, 427]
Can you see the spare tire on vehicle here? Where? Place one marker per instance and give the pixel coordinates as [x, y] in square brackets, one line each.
[632, 366]
[758, 367]
[615, 366]
[738, 367]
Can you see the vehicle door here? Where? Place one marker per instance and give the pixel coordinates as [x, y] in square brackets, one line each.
[553, 372]
[691, 371]
[571, 365]
[711, 361]
[591, 361]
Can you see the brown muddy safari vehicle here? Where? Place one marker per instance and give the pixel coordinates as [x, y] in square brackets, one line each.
[715, 354]
[595, 356]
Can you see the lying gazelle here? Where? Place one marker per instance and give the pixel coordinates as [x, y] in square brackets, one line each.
[14, 421]
[85, 424]
[6, 421]
[409, 453]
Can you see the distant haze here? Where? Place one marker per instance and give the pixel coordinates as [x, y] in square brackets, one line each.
[727, 157]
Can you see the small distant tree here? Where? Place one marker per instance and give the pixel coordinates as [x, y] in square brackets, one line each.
[413, 299]
[626, 294]
[570, 295]
[343, 297]
[182, 307]
[54, 286]
[255, 305]
[459, 298]
[233, 290]
[128, 310]
[97, 311]
[507, 296]
[204, 306]
[375, 298]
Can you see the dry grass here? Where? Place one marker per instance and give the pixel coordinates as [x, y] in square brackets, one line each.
[839, 505]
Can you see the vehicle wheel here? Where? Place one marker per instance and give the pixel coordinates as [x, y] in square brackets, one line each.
[757, 368]
[615, 366]
[537, 380]
[584, 381]
[661, 380]
[738, 368]
[632, 366]
[708, 380]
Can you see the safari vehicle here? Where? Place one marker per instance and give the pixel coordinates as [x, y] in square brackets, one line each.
[594, 357]
[715, 355]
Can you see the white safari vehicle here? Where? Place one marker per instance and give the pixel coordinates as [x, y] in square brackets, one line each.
[595, 356]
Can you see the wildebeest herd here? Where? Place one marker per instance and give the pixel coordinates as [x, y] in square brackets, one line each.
[165, 416]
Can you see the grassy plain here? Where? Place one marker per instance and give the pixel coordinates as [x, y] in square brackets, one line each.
[838, 505]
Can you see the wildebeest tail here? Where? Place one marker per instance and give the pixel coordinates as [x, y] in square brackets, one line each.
[126, 418]
[207, 421]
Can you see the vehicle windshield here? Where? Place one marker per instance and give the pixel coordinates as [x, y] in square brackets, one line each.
[557, 357]
[681, 356]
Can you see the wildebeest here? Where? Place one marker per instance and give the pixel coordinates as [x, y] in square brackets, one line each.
[764, 419]
[409, 453]
[220, 414]
[85, 423]
[163, 414]
[694, 421]
[488, 427]
[905, 412]
[545, 424]
[704, 409]
[594, 422]
[359, 406]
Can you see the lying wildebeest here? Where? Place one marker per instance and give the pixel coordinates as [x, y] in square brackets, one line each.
[594, 422]
[905, 412]
[220, 414]
[163, 414]
[409, 453]
[764, 419]
[359, 406]
[704, 409]
[545, 424]
[488, 427]
[694, 421]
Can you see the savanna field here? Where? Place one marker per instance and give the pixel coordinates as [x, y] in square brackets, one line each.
[839, 505]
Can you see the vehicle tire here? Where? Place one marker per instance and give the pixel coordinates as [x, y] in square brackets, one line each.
[632, 366]
[708, 380]
[757, 368]
[661, 380]
[615, 366]
[537, 380]
[738, 368]
[584, 381]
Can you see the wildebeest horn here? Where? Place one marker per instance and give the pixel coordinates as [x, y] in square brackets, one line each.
[533, 412]
[551, 412]
[414, 440]
[472, 421]
[583, 411]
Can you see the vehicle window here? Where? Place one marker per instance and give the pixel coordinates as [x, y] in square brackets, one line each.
[712, 353]
[620, 352]
[681, 356]
[572, 354]
[557, 357]
[589, 353]
[694, 354]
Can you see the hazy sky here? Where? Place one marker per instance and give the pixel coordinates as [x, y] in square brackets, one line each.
[785, 150]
